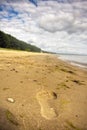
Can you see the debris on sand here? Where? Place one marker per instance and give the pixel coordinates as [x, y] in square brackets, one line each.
[11, 100]
[54, 95]
[11, 118]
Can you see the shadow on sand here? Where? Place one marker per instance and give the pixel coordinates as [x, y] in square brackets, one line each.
[7, 120]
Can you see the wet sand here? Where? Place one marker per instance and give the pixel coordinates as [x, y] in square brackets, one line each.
[44, 93]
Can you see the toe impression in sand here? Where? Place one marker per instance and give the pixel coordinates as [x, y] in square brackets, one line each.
[46, 111]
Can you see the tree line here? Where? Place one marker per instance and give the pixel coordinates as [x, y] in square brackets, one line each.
[8, 41]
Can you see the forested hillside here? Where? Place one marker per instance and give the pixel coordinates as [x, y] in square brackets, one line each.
[8, 41]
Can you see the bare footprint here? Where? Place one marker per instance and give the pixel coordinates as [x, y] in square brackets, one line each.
[43, 97]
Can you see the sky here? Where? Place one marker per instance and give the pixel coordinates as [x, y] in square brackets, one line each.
[54, 25]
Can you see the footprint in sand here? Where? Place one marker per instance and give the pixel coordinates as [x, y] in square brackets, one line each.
[46, 111]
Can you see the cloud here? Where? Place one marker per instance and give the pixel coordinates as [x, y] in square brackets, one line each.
[56, 22]
[52, 26]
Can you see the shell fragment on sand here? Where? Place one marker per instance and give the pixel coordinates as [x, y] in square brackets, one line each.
[11, 100]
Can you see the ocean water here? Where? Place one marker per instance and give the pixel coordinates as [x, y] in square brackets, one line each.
[77, 60]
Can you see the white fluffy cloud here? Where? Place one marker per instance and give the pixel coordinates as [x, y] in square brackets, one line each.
[56, 22]
[52, 26]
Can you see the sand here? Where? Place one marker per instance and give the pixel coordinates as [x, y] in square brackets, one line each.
[46, 111]
[44, 93]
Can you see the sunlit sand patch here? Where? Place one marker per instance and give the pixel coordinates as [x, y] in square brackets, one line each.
[2, 67]
[46, 111]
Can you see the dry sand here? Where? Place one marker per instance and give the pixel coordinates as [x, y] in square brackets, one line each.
[40, 92]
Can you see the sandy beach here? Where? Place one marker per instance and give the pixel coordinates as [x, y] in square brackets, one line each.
[38, 91]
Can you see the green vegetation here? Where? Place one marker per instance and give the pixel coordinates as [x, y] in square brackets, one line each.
[8, 41]
[68, 71]
[11, 118]
[77, 82]
[39, 129]
[72, 125]
[63, 85]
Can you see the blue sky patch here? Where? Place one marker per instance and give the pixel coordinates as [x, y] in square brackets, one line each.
[34, 2]
[2, 7]
[10, 12]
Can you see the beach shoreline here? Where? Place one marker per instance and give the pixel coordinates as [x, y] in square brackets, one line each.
[79, 64]
[41, 92]
[82, 63]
